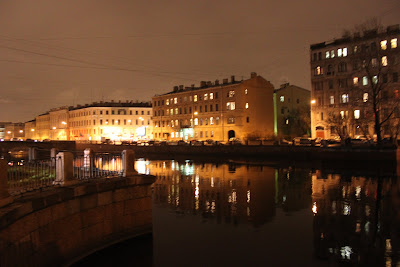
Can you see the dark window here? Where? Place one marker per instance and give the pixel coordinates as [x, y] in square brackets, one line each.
[330, 84]
[282, 110]
[211, 108]
[216, 107]
[106, 112]
[112, 112]
[205, 108]
[247, 119]
[298, 101]
[395, 77]
[216, 95]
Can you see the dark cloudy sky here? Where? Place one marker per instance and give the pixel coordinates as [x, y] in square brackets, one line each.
[69, 52]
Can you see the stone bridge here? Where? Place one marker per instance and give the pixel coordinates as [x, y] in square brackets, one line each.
[58, 225]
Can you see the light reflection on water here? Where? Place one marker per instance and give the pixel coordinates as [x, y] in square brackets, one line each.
[262, 215]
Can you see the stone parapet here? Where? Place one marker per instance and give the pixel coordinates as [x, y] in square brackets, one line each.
[55, 227]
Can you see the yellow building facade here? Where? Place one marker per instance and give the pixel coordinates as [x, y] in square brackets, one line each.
[217, 111]
[116, 121]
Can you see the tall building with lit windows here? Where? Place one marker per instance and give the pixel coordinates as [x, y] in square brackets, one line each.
[99, 121]
[342, 74]
[214, 110]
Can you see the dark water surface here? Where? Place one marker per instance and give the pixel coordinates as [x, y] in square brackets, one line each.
[208, 214]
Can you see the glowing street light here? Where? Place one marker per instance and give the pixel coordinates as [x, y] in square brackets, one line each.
[54, 128]
[63, 123]
[313, 101]
[32, 130]
[21, 131]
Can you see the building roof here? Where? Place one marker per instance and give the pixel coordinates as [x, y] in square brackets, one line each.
[127, 104]
[366, 35]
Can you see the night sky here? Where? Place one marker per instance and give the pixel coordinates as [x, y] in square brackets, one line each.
[69, 52]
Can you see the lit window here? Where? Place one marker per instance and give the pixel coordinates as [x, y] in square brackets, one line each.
[175, 100]
[332, 53]
[211, 96]
[172, 134]
[247, 105]
[355, 81]
[167, 111]
[167, 102]
[318, 70]
[332, 99]
[230, 106]
[195, 98]
[384, 61]
[245, 91]
[231, 93]
[345, 98]
[176, 111]
[365, 80]
[205, 96]
[342, 114]
[345, 52]
[196, 121]
[384, 44]
[393, 43]
[375, 79]
[355, 49]
[231, 120]
[356, 114]
[282, 98]
[339, 52]
[365, 97]
[211, 120]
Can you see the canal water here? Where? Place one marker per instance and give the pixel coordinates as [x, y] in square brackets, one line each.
[232, 214]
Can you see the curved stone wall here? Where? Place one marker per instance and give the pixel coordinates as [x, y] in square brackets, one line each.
[54, 227]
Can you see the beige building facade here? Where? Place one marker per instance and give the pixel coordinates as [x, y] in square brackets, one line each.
[99, 121]
[217, 111]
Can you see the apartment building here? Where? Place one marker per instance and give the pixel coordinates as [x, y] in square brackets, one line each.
[292, 111]
[349, 76]
[214, 110]
[116, 121]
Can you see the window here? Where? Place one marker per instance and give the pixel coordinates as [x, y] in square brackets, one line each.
[142, 112]
[231, 93]
[332, 100]
[345, 52]
[355, 49]
[230, 106]
[216, 95]
[106, 112]
[247, 105]
[393, 43]
[332, 53]
[196, 121]
[384, 44]
[355, 81]
[205, 96]
[330, 84]
[365, 80]
[216, 107]
[322, 117]
[339, 52]
[211, 108]
[231, 120]
[395, 77]
[356, 114]
[318, 70]
[245, 91]
[211, 96]
[365, 97]
[211, 120]
[375, 79]
[342, 114]
[112, 112]
[176, 111]
[345, 98]
[247, 119]
[384, 61]
[282, 98]
[342, 67]
[217, 120]
[327, 54]
[374, 62]
[195, 98]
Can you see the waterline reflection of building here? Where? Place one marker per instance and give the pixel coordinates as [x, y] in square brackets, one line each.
[227, 193]
[356, 219]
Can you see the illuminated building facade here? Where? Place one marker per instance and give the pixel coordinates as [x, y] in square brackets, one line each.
[292, 110]
[218, 111]
[14, 130]
[116, 121]
[3, 129]
[341, 84]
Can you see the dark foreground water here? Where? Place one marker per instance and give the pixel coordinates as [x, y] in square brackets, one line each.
[207, 214]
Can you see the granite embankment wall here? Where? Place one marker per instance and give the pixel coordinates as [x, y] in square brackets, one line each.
[242, 151]
[53, 227]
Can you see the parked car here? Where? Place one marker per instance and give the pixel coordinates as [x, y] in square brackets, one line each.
[235, 141]
[182, 143]
[301, 141]
[209, 142]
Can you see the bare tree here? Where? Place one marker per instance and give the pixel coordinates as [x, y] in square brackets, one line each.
[340, 124]
[372, 63]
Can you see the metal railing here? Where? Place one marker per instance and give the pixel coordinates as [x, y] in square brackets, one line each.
[27, 176]
[97, 166]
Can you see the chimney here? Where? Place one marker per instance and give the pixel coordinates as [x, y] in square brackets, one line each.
[192, 85]
[112, 101]
[203, 84]
[180, 87]
[232, 78]
[225, 81]
[216, 82]
[253, 74]
[176, 88]
[209, 83]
